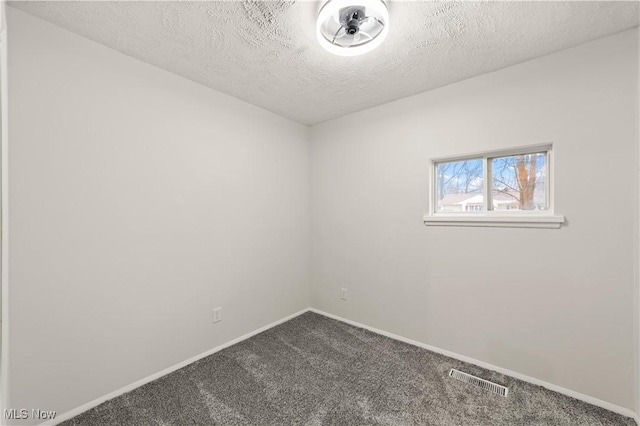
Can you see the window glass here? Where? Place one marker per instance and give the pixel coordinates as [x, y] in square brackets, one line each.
[459, 186]
[518, 182]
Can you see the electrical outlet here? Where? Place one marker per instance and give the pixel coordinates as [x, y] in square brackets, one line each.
[217, 315]
[343, 293]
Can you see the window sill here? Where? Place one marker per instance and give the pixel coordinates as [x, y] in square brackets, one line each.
[496, 220]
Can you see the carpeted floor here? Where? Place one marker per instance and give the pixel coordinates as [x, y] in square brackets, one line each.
[314, 370]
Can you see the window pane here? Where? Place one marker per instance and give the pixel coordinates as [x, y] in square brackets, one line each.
[459, 186]
[518, 182]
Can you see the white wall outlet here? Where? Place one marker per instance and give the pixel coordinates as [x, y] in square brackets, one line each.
[343, 293]
[217, 315]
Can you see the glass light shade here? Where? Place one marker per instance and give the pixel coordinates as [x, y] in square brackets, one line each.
[372, 29]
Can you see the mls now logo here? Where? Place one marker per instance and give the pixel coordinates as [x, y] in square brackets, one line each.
[22, 414]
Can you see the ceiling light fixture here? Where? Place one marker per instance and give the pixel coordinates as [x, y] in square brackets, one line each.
[352, 27]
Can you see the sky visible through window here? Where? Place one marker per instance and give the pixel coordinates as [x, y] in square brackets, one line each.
[517, 183]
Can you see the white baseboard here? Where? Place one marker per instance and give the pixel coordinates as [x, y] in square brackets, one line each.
[573, 394]
[91, 404]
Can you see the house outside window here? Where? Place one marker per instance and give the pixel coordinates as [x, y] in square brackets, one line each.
[474, 207]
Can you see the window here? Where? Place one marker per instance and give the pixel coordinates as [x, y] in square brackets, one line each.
[504, 188]
[519, 181]
[458, 183]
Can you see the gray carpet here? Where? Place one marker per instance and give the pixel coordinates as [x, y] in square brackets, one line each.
[313, 370]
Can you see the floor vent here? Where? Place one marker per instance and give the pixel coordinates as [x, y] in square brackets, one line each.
[484, 384]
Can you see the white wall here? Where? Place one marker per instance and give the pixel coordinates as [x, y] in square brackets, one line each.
[138, 202]
[556, 305]
[636, 298]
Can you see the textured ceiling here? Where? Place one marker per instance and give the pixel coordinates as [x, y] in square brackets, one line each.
[265, 52]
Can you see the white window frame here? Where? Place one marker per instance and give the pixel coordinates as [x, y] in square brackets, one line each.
[509, 218]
